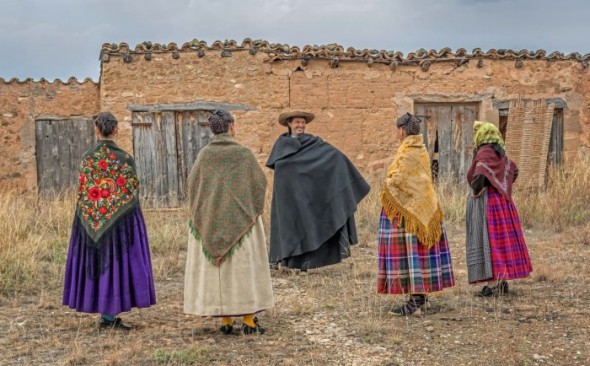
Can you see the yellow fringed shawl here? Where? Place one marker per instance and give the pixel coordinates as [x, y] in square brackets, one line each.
[408, 192]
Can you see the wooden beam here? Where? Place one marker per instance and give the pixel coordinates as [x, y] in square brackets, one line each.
[61, 118]
[190, 106]
[441, 98]
[505, 104]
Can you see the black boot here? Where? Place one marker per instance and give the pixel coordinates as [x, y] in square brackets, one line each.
[414, 303]
[500, 289]
[115, 323]
[257, 329]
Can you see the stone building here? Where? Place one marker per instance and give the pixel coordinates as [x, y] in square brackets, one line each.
[162, 95]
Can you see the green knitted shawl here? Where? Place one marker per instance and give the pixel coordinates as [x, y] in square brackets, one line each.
[226, 188]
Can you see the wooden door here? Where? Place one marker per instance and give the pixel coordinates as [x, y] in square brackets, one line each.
[192, 135]
[555, 155]
[448, 136]
[165, 146]
[60, 144]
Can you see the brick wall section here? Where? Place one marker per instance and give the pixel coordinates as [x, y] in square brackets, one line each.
[20, 104]
[354, 103]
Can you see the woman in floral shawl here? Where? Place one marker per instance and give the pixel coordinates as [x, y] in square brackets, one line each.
[108, 270]
[227, 272]
[496, 250]
[414, 256]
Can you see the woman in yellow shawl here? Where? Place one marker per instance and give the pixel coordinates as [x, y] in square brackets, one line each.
[414, 256]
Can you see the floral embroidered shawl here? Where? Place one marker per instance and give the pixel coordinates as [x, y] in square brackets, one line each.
[409, 194]
[226, 189]
[108, 188]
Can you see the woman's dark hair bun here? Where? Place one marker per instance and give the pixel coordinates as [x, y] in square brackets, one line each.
[106, 123]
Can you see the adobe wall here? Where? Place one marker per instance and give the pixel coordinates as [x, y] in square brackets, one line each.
[355, 102]
[355, 94]
[21, 102]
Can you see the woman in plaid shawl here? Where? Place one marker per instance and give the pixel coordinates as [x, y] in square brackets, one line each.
[414, 256]
[495, 246]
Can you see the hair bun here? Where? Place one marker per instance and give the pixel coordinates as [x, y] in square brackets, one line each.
[106, 123]
[220, 120]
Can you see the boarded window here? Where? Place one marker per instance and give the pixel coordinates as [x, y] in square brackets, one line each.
[448, 135]
[165, 146]
[60, 144]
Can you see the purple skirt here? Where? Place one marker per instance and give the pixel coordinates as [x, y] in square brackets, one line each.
[114, 279]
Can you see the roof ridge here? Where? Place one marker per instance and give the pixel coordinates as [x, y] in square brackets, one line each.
[71, 79]
[279, 51]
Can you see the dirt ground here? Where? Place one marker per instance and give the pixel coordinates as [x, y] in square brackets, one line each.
[332, 316]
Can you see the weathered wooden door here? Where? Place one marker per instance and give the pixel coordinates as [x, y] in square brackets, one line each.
[60, 144]
[165, 146]
[193, 134]
[555, 155]
[448, 135]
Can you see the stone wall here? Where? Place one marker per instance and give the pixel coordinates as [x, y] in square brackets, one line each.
[21, 102]
[355, 102]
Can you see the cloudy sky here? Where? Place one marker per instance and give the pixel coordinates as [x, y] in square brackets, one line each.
[62, 38]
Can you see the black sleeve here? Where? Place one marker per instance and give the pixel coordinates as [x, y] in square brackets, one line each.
[479, 182]
[515, 175]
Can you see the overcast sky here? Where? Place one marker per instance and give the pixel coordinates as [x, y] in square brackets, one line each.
[62, 38]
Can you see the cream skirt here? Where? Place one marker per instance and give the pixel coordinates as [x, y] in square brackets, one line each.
[240, 285]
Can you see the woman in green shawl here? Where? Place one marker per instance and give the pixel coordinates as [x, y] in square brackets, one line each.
[227, 271]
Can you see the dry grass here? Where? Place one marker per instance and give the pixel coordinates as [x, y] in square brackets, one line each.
[33, 244]
[331, 316]
[564, 203]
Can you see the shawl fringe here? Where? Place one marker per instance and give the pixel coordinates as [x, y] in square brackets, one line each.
[216, 261]
[428, 235]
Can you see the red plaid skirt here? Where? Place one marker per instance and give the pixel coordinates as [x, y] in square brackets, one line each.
[510, 256]
[406, 266]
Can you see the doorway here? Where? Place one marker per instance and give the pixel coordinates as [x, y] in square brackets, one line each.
[448, 136]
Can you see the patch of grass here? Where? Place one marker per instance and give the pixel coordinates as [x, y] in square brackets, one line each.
[562, 204]
[32, 231]
[183, 357]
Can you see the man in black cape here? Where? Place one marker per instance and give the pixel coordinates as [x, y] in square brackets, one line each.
[315, 194]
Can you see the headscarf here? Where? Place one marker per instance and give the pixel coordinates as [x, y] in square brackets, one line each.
[489, 162]
[409, 194]
[486, 133]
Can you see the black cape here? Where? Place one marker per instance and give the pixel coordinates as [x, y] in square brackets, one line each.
[316, 191]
